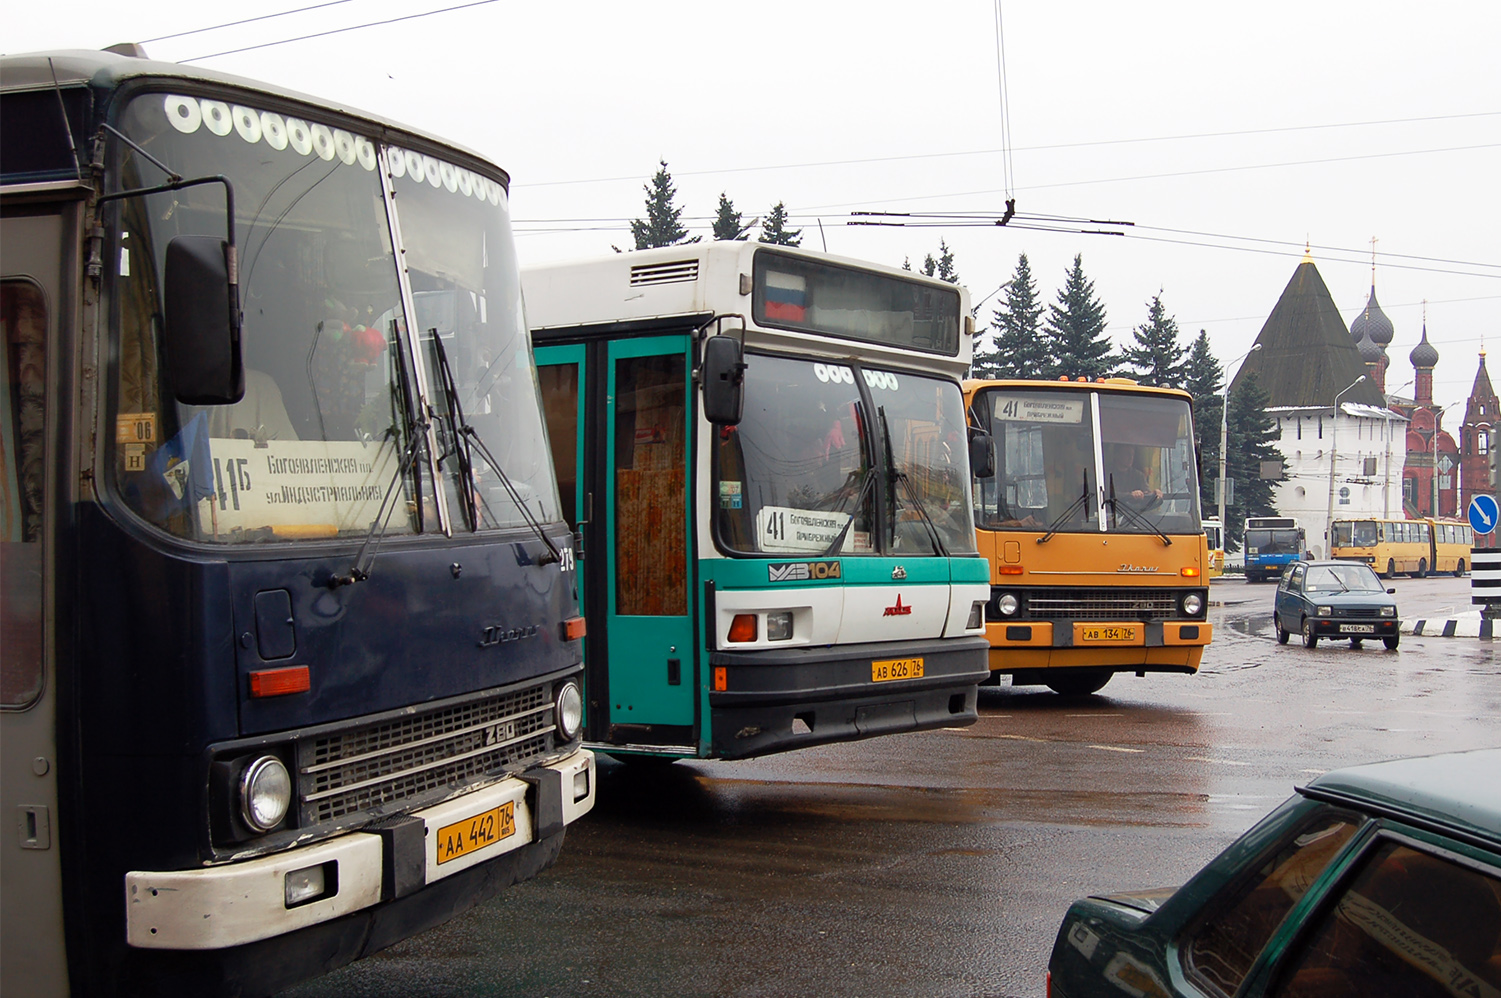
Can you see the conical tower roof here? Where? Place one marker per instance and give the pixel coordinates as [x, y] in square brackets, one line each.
[1481, 395]
[1307, 356]
[1372, 323]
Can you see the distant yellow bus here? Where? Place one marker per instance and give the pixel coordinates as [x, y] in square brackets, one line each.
[1414, 547]
[1091, 526]
[1214, 536]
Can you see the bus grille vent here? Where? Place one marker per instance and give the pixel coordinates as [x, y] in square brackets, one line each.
[364, 768]
[676, 272]
[1131, 603]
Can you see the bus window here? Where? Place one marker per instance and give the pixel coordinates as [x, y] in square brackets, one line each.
[1156, 435]
[1044, 462]
[23, 379]
[650, 497]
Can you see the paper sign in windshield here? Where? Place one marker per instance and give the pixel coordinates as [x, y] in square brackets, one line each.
[1038, 409]
[786, 528]
[297, 486]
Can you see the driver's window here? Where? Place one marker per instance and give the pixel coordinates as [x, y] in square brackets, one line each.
[1296, 582]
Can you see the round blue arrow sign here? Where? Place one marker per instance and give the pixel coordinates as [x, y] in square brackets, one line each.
[1484, 512]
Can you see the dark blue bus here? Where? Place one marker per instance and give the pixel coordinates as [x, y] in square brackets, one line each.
[1272, 543]
[291, 650]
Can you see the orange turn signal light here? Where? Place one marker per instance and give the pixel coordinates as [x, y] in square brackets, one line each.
[1189, 572]
[573, 628]
[721, 679]
[280, 682]
[743, 627]
[1008, 570]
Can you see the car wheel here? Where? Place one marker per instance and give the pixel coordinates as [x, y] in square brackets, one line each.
[1422, 572]
[1356, 642]
[1310, 639]
[1391, 569]
[1392, 642]
[1459, 570]
[1282, 635]
[1079, 682]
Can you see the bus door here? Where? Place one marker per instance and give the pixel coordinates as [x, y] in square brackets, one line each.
[32, 959]
[632, 491]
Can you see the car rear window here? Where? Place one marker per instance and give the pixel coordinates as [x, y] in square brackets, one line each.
[1221, 949]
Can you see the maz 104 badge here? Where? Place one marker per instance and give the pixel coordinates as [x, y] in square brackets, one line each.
[802, 571]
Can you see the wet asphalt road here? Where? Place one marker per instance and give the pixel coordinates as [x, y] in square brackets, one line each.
[940, 863]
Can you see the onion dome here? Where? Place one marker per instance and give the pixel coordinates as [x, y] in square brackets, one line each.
[1424, 355]
[1372, 323]
[1370, 351]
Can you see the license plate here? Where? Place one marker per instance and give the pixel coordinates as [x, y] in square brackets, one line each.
[896, 668]
[1357, 628]
[464, 837]
[1109, 634]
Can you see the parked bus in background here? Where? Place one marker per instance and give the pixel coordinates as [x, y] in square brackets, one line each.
[1090, 524]
[291, 668]
[764, 450]
[1270, 544]
[1214, 536]
[1415, 547]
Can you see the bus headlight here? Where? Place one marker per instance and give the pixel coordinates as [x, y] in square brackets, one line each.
[568, 711]
[779, 625]
[1192, 604]
[1008, 604]
[1324, 611]
[976, 616]
[265, 793]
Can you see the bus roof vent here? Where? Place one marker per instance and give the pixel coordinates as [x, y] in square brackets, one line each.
[675, 272]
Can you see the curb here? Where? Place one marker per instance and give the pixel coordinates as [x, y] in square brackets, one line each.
[1466, 625]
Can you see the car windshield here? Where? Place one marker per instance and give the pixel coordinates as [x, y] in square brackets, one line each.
[1355, 578]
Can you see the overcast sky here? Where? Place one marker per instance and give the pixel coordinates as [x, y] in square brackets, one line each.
[1281, 122]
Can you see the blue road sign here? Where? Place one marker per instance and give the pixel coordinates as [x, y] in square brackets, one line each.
[1484, 512]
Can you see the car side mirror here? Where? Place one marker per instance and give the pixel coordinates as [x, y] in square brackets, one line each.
[981, 454]
[723, 374]
[201, 342]
[1391, 592]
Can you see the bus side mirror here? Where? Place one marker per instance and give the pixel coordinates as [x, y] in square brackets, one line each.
[981, 455]
[202, 336]
[723, 373]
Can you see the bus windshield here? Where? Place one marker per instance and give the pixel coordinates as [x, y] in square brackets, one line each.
[1050, 462]
[1262, 541]
[802, 470]
[313, 447]
[1354, 533]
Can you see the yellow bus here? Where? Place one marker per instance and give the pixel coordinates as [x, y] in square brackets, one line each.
[1214, 536]
[1090, 522]
[1415, 547]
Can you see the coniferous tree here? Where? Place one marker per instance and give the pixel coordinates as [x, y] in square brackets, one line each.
[943, 267]
[1203, 378]
[1156, 359]
[774, 229]
[662, 225]
[1020, 347]
[1076, 328]
[1252, 439]
[727, 223]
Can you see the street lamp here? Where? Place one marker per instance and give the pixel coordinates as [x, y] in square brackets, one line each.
[1334, 456]
[1224, 432]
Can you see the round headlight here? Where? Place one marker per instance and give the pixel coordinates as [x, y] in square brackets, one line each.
[1192, 604]
[568, 711]
[265, 793]
[1008, 604]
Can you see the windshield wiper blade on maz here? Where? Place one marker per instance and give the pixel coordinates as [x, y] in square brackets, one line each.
[462, 435]
[901, 476]
[1073, 508]
[865, 486]
[1116, 508]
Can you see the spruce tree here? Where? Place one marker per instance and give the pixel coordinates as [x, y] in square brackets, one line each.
[774, 229]
[727, 224]
[1076, 328]
[1252, 439]
[1203, 378]
[1156, 359]
[943, 267]
[662, 225]
[1020, 347]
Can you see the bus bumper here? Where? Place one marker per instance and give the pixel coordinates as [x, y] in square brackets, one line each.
[1159, 646]
[219, 907]
[795, 697]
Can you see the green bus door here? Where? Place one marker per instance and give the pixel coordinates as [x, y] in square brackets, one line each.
[618, 415]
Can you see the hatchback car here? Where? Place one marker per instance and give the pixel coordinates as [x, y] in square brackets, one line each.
[1379, 880]
[1334, 599]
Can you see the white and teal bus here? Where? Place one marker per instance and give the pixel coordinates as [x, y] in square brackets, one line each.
[764, 452]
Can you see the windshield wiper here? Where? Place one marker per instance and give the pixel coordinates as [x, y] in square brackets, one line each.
[461, 434]
[1073, 507]
[865, 486]
[901, 476]
[1116, 507]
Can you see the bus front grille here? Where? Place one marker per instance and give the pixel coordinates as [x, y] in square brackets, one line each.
[1133, 603]
[365, 768]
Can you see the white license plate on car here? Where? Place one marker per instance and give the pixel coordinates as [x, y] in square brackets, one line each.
[1357, 628]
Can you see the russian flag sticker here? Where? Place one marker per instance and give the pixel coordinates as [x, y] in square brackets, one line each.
[786, 297]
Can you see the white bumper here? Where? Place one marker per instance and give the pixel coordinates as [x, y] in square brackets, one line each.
[242, 902]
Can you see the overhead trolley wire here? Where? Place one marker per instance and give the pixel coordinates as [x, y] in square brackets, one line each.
[248, 20]
[340, 31]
